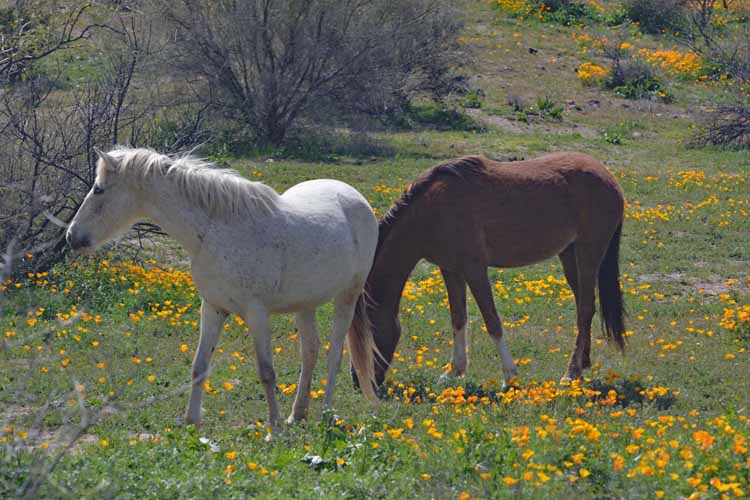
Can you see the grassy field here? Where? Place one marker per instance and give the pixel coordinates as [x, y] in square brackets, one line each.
[114, 339]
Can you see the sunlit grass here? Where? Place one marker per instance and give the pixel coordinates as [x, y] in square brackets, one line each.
[667, 419]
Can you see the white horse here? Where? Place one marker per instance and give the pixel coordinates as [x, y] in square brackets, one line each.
[252, 253]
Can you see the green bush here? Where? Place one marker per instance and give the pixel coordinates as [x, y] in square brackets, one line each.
[435, 115]
[635, 79]
[549, 108]
[656, 16]
[472, 99]
[570, 12]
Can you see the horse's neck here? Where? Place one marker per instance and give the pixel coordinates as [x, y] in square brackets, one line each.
[395, 261]
[182, 220]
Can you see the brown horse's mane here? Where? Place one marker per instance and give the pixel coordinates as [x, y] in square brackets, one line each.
[467, 168]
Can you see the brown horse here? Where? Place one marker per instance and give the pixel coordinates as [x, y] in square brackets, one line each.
[471, 213]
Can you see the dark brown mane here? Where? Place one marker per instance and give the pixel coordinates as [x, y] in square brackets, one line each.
[466, 168]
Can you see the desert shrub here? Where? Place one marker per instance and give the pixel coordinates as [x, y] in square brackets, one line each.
[548, 108]
[435, 115]
[569, 12]
[728, 125]
[728, 53]
[516, 102]
[47, 162]
[544, 107]
[656, 16]
[723, 42]
[271, 65]
[630, 75]
[472, 99]
[565, 12]
[636, 79]
[616, 16]
[177, 128]
[556, 5]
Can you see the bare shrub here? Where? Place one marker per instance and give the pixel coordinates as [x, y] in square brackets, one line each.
[27, 35]
[47, 138]
[728, 125]
[268, 64]
[725, 49]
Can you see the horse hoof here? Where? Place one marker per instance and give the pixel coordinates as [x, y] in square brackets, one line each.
[446, 379]
[292, 419]
[189, 421]
[328, 416]
[513, 383]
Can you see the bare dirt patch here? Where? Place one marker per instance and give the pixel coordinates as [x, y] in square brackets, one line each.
[503, 123]
[713, 286]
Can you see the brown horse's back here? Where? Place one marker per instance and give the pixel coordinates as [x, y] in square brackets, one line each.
[515, 213]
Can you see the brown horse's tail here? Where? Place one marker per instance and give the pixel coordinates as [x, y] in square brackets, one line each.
[362, 349]
[610, 294]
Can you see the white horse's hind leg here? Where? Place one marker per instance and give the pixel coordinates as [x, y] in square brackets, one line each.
[260, 329]
[309, 344]
[211, 321]
[343, 312]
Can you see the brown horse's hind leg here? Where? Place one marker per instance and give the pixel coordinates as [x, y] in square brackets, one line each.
[482, 291]
[456, 286]
[587, 260]
[568, 260]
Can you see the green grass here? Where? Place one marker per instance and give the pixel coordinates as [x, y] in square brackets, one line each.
[680, 389]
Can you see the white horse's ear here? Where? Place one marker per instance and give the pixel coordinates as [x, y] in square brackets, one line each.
[108, 160]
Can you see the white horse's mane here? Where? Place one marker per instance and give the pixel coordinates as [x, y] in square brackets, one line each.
[223, 192]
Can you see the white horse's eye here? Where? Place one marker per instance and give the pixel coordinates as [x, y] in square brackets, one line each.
[98, 190]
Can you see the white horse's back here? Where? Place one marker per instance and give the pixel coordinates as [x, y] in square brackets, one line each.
[333, 233]
[328, 202]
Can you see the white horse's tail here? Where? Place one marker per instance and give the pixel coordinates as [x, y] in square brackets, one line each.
[362, 349]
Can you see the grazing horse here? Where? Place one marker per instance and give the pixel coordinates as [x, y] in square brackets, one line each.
[472, 213]
[252, 253]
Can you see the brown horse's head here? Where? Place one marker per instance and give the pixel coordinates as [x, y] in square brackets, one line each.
[386, 331]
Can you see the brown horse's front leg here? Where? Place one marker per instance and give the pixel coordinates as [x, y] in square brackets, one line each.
[456, 286]
[482, 291]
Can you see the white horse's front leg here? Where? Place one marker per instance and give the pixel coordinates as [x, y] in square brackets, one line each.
[309, 345]
[343, 312]
[260, 329]
[212, 320]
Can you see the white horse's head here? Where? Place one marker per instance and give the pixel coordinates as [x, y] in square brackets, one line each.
[109, 209]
